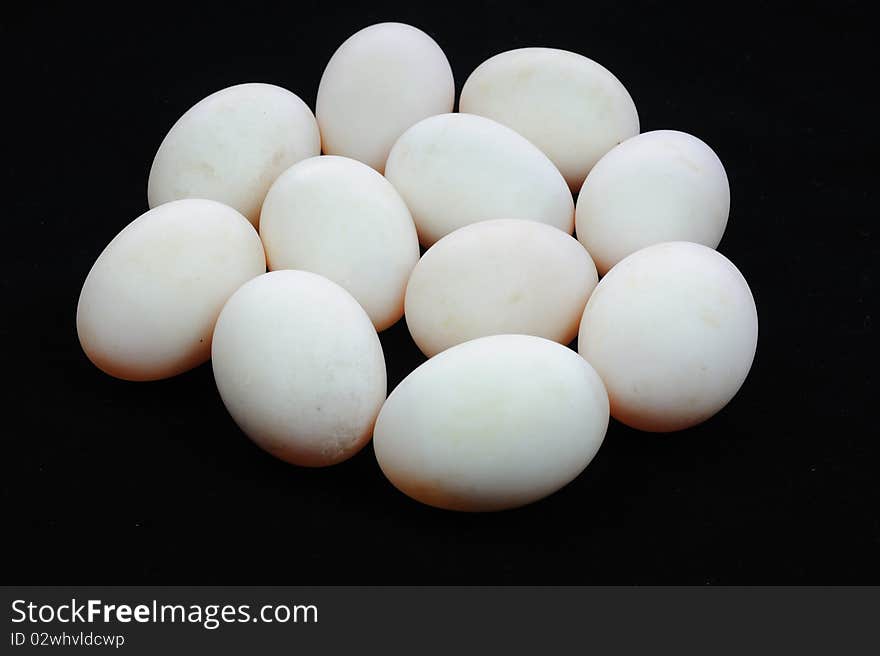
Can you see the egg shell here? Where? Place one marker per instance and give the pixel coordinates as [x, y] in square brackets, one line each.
[148, 306]
[569, 106]
[232, 145]
[380, 81]
[659, 186]
[497, 277]
[300, 368]
[493, 423]
[672, 330]
[340, 218]
[456, 169]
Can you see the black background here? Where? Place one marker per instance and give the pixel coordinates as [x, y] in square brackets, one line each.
[112, 482]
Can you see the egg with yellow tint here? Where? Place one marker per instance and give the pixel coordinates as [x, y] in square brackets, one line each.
[494, 423]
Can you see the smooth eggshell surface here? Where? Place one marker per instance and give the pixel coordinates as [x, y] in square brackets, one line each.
[496, 277]
[379, 82]
[340, 218]
[493, 423]
[656, 187]
[232, 145]
[148, 306]
[672, 330]
[299, 367]
[456, 169]
[569, 106]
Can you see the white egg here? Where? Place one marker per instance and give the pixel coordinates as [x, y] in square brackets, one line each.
[456, 169]
[569, 106]
[493, 423]
[379, 82]
[148, 306]
[299, 367]
[497, 277]
[232, 145]
[340, 218]
[672, 330]
[656, 187]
